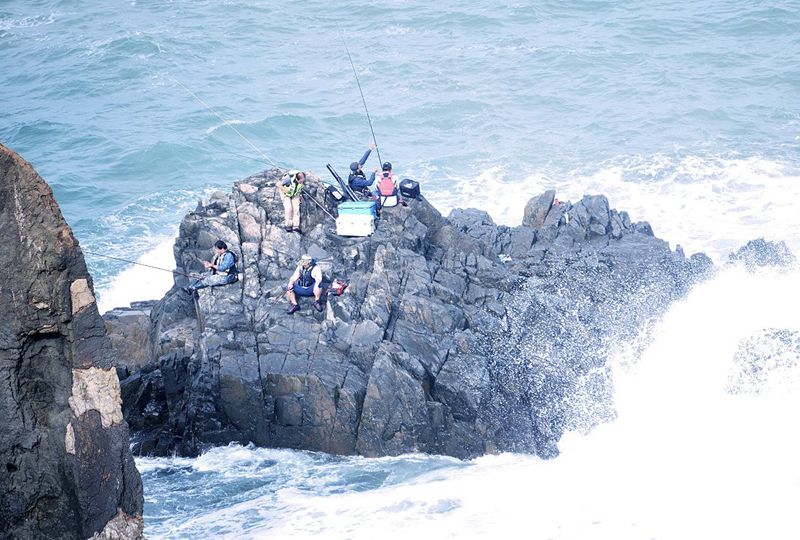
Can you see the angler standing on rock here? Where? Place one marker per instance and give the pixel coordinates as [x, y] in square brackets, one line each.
[290, 188]
[305, 281]
[220, 271]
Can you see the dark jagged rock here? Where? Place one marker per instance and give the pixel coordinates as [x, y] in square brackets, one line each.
[129, 331]
[67, 470]
[455, 335]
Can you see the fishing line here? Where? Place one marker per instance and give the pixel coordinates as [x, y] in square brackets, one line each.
[364, 101]
[269, 309]
[309, 196]
[207, 106]
[138, 263]
[247, 157]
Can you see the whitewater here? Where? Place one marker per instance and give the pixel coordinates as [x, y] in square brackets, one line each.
[699, 449]
[683, 114]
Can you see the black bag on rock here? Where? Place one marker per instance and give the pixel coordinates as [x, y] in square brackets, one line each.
[409, 188]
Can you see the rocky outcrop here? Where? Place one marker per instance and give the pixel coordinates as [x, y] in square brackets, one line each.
[128, 328]
[761, 253]
[455, 335]
[67, 470]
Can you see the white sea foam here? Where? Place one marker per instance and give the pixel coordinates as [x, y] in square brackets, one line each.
[712, 205]
[397, 30]
[685, 458]
[228, 123]
[27, 22]
[147, 465]
[141, 282]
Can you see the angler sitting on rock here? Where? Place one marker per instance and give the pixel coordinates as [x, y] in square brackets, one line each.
[290, 188]
[306, 281]
[220, 271]
[358, 180]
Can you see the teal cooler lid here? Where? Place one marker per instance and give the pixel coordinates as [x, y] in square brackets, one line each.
[357, 207]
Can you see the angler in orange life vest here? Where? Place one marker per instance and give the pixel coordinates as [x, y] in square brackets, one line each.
[388, 194]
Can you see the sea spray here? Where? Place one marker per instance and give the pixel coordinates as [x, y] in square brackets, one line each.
[685, 457]
[702, 202]
[140, 282]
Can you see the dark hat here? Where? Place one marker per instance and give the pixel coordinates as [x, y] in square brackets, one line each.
[387, 166]
[354, 166]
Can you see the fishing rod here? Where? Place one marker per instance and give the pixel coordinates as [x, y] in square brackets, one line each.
[309, 196]
[344, 185]
[270, 308]
[364, 101]
[215, 113]
[138, 263]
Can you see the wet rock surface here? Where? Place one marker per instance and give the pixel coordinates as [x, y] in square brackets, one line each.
[66, 467]
[455, 335]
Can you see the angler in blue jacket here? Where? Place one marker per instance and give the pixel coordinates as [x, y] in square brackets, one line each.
[358, 180]
[220, 271]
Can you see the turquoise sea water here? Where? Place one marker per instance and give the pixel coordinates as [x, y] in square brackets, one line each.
[686, 114]
[656, 104]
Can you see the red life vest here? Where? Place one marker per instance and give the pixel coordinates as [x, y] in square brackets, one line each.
[386, 186]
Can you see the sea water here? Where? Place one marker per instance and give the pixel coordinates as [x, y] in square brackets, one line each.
[685, 114]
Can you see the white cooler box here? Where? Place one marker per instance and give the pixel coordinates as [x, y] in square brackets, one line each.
[355, 225]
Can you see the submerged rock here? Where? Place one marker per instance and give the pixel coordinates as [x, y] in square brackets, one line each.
[455, 335]
[763, 253]
[67, 470]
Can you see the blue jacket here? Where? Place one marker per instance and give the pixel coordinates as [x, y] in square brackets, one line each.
[225, 264]
[358, 181]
